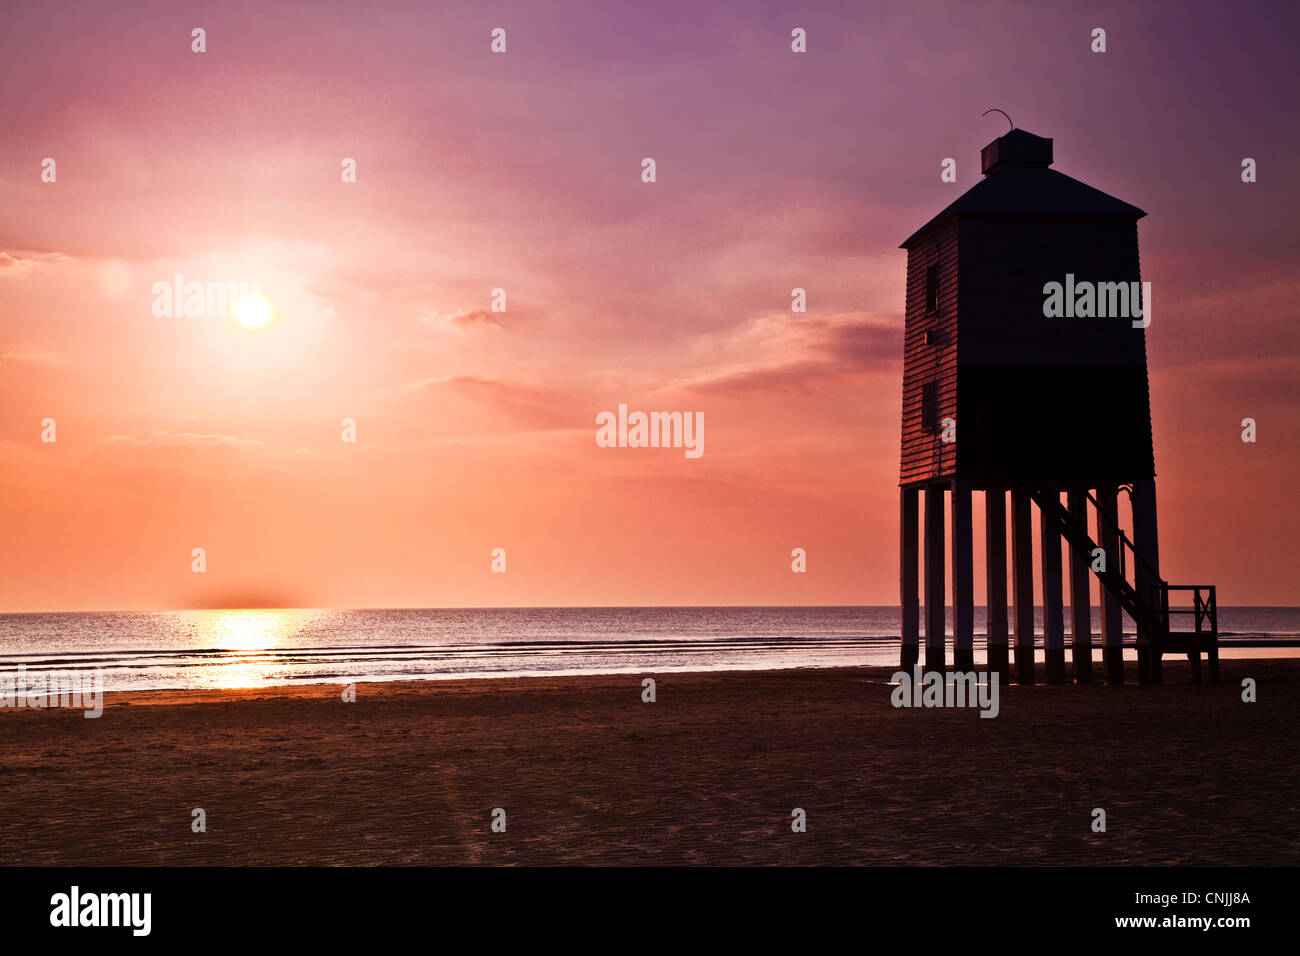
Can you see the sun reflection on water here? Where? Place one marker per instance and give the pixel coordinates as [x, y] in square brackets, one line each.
[248, 630]
[247, 634]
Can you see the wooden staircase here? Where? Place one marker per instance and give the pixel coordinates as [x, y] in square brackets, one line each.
[1150, 612]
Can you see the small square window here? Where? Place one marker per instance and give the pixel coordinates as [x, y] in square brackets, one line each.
[930, 406]
[932, 290]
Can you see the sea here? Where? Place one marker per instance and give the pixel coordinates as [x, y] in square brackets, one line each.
[279, 646]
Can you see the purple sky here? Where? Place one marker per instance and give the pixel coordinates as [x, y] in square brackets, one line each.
[521, 170]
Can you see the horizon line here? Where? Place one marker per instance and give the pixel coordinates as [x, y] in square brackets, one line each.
[537, 607]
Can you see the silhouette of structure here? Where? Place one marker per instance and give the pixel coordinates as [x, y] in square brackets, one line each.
[1000, 398]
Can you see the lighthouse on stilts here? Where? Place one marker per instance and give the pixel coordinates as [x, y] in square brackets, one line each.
[1025, 384]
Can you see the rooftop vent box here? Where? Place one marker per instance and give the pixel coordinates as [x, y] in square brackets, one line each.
[1016, 148]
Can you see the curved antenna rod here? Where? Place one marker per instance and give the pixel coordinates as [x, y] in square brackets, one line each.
[996, 110]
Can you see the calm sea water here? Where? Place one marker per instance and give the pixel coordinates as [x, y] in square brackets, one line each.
[251, 648]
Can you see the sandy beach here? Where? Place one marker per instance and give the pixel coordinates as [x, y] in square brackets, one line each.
[708, 774]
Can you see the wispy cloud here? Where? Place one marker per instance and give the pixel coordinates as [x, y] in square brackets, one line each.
[27, 356]
[533, 406]
[781, 353]
[169, 438]
[466, 320]
[21, 266]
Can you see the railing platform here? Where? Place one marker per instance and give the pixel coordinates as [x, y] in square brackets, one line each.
[1204, 639]
[1151, 612]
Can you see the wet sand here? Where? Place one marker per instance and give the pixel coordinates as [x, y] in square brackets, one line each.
[709, 774]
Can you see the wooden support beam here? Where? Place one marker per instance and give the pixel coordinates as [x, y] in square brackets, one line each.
[995, 559]
[1080, 594]
[1146, 539]
[1053, 605]
[935, 597]
[963, 578]
[909, 595]
[1022, 584]
[1112, 617]
[1212, 655]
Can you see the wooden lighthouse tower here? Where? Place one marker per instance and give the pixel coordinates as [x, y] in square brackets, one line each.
[1002, 399]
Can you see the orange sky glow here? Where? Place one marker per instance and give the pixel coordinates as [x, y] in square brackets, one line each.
[475, 429]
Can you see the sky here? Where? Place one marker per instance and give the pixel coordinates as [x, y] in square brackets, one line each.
[522, 171]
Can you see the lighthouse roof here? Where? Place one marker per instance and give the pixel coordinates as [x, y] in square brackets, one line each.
[1018, 181]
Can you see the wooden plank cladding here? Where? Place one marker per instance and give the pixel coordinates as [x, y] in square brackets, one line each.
[930, 358]
[1065, 398]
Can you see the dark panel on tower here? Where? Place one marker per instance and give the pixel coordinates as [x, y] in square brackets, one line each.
[930, 357]
[1033, 397]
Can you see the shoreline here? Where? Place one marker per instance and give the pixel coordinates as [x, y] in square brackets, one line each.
[1130, 661]
[875, 671]
[707, 774]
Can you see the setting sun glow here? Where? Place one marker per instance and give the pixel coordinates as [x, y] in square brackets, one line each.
[253, 311]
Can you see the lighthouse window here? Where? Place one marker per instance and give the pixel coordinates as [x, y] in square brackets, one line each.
[932, 289]
[930, 406]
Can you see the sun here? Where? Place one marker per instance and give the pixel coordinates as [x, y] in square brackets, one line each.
[252, 311]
